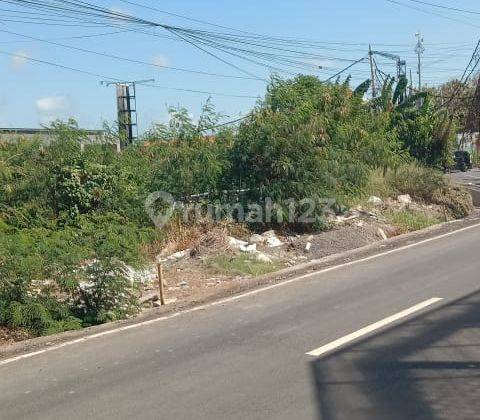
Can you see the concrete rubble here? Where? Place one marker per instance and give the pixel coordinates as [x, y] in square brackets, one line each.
[382, 233]
[374, 200]
[405, 199]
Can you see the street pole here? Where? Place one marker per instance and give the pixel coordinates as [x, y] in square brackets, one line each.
[419, 50]
[411, 83]
[372, 70]
[126, 110]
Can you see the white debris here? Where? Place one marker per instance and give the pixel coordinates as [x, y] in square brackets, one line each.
[346, 218]
[146, 275]
[308, 246]
[241, 245]
[269, 234]
[236, 243]
[256, 239]
[271, 239]
[179, 255]
[274, 242]
[86, 285]
[174, 257]
[260, 257]
[249, 248]
[404, 199]
[376, 201]
[382, 233]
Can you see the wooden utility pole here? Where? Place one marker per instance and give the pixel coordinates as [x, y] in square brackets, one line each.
[160, 283]
[372, 69]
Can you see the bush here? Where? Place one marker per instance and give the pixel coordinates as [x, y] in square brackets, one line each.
[39, 317]
[106, 294]
[310, 139]
[456, 200]
[420, 182]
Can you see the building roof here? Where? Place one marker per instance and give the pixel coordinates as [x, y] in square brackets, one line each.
[40, 131]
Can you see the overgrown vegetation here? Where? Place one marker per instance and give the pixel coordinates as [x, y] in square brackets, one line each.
[242, 264]
[70, 220]
[410, 220]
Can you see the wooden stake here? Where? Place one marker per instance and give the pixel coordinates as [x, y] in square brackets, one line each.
[160, 283]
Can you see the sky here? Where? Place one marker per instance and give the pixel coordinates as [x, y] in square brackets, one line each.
[33, 94]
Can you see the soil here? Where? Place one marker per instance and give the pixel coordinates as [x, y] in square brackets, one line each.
[189, 279]
[9, 336]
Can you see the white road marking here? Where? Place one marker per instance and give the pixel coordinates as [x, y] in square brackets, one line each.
[232, 298]
[371, 328]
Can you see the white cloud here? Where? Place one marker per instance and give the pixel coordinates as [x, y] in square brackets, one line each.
[160, 60]
[18, 60]
[51, 108]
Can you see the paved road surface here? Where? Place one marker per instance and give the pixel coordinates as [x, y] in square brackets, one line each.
[471, 177]
[247, 358]
[471, 180]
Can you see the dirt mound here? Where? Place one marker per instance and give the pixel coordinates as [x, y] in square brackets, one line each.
[214, 241]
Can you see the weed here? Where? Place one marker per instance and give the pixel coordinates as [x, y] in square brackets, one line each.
[242, 264]
[409, 220]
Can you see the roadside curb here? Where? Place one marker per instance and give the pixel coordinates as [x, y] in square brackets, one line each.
[250, 284]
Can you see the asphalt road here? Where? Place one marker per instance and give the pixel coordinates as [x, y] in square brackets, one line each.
[246, 358]
[470, 177]
[471, 180]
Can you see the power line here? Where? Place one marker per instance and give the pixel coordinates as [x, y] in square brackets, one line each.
[345, 69]
[181, 16]
[284, 55]
[429, 12]
[116, 79]
[441, 6]
[116, 57]
[226, 123]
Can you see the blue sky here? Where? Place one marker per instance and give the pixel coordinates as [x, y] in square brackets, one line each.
[32, 94]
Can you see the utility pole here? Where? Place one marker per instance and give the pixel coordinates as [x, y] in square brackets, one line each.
[126, 110]
[419, 50]
[372, 69]
[411, 83]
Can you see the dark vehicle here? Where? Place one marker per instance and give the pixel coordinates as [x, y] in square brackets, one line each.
[463, 161]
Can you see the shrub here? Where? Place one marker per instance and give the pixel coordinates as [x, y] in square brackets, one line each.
[43, 317]
[105, 294]
[420, 182]
[184, 160]
[456, 200]
[310, 139]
